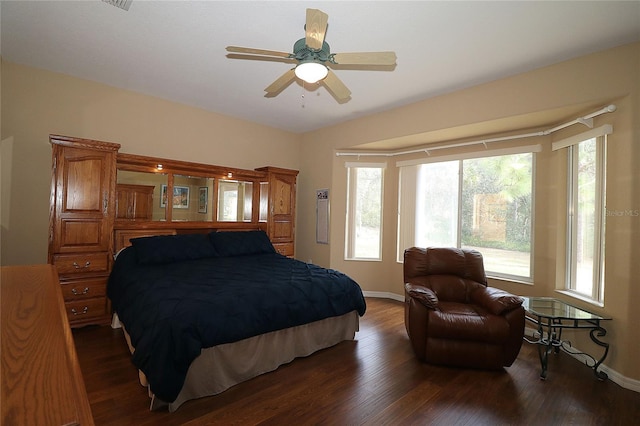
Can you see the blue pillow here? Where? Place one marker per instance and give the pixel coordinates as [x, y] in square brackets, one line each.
[173, 248]
[238, 243]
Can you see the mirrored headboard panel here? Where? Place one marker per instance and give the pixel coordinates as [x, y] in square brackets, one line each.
[163, 190]
[137, 194]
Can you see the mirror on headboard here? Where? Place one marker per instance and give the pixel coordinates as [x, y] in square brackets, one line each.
[138, 195]
[155, 189]
[235, 201]
[192, 198]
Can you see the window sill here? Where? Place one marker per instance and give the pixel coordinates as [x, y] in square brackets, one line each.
[363, 259]
[581, 297]
[510, 280]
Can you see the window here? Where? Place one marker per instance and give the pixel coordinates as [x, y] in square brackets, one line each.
[364, 211]
[586, 218]
[586, 212]
[480, 203]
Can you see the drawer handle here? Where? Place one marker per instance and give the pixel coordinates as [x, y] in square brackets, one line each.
[85, 291]
[86, 265]
[84, 311]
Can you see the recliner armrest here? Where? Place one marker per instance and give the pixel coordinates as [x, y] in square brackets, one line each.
[495, 300]
[424, 295]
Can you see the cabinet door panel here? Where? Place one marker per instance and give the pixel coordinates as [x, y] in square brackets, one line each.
[123, 210]
[143, 206]
[82, 211]
[78, 234]
[84, 186]
[282, 197]
[282, 231]
[282, 205]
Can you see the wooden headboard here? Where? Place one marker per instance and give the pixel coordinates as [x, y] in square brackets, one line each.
[270, 200]
[122, 237]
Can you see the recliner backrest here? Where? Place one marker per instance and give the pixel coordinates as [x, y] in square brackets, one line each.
[444, 261]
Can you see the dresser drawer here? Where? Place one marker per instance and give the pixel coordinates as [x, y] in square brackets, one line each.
[81, 310]
[285, 249]
[80, 263]
[84, 289]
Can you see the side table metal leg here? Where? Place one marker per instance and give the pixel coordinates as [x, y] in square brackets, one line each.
[543, 352]
[545, 346]
[557, 335]
[599, 332]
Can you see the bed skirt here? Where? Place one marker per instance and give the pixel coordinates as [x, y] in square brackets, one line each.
[218, 368]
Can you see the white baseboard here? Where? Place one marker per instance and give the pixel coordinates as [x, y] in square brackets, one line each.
[384, 295]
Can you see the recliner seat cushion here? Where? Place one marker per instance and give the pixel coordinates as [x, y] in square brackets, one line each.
[461, 321]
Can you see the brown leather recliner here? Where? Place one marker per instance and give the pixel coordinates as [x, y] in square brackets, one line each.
[452, 317]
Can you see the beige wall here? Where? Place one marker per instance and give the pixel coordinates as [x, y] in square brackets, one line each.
[36, 103]
[583, 85]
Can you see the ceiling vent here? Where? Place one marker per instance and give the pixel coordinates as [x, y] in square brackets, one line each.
[122, 4]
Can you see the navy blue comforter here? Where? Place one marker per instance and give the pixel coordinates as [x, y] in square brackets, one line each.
[174, 310]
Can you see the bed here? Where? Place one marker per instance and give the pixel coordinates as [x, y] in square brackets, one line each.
[203, 312]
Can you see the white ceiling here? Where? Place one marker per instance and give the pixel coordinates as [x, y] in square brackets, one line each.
[176, 49]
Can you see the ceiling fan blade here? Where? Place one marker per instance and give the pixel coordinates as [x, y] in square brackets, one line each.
[365, 58]
[315, 28]
[283, 81]
[261, 58]
[336, 87]
[236, 49]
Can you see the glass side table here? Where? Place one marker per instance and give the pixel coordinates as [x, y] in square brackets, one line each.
[552, 316]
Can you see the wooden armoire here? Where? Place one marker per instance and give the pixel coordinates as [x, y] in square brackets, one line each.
[81, 223]
[93, 213]
[282, 208]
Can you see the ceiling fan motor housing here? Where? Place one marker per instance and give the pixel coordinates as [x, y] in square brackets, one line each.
[304, 53]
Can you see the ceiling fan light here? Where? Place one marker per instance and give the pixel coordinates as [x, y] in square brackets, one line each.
[311, 72]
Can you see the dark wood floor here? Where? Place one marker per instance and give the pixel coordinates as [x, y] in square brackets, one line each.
[374, 380]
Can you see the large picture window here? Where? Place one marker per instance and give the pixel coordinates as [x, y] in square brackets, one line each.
[364, 211]
[480, 203]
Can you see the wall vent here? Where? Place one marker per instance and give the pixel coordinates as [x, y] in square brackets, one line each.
[122, 4]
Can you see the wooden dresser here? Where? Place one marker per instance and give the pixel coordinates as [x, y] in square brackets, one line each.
[41, 379]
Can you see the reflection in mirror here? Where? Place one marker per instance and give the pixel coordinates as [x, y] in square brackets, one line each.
[264, 201]
[192, 198]
[234, 201]
[138, 195]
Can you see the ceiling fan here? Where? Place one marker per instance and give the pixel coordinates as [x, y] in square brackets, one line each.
[313, 58]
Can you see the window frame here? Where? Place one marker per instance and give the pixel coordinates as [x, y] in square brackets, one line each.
[598, 268]
[351, 202]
